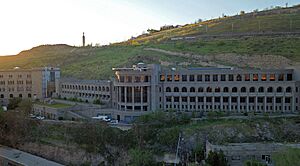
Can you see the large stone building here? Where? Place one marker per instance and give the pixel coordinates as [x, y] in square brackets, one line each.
[144, 88]
[37, 83]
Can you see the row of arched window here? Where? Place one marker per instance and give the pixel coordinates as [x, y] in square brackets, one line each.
[86, 87]
[234, 89]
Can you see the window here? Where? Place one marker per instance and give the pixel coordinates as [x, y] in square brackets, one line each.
[217, 89]
[225, 89]
[169, 78]
[252, 89]
[192, 78]
[177, 77]
[215, 78]
[230, 77]
[270, 89]
[239, 77]
[278, 99]
[234, 99]
[207, 78]
[280, 77]
[199, 77]
[225, 99]
[251, 99]
[184, 99]
[223, 77]
[168, 98]
[255, 77]
[162, 78]
[176, 89]
[168, 89]
[288, 89]
[200, 99]
[243, 89]
[247, 77]
[289, 77]
[200, 89]
[272, 77]
[209, 99]
[137, 79]
[208, 89]
[243, 99]
[279, 89]
[184, 78]
[217, 99]
[234, 89]
[264, 77]
[192, 89]
[269, 99]
[128, 79]
[260, 99]
[287, 100]
[176, 99]
[261, 89]
[192, 99]
[184, 89]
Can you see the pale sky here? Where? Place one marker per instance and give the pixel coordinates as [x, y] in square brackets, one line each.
[28, 23]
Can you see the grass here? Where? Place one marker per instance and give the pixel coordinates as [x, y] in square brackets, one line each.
[287, 157]
[56, 105]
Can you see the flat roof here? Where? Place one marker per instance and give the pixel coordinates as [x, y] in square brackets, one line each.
[25, 158]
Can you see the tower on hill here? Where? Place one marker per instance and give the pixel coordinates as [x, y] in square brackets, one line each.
[83, 40]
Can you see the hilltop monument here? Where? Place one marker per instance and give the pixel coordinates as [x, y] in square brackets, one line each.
[83, 40]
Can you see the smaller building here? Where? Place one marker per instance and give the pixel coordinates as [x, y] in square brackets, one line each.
[86, 90]
[237, 153]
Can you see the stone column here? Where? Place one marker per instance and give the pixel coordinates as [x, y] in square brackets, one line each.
[265, 103]
[293, 104]
[142, 90]
[132, 97]
[148, 98]
[255, 104]
[247, 101]
[204, 101]
[239, 103]
[213, 102]
[229, 98]
[125, 92]
[221, 101]
[283, 103]
[274, 104]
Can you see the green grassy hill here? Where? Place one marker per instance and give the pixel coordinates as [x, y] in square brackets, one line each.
[252, 51]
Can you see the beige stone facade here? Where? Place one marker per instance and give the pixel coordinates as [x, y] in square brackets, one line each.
[28, 83]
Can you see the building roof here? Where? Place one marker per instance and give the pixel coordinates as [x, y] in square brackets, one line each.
[24, 158]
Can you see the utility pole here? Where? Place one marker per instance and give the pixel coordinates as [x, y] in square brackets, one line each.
[177, 149]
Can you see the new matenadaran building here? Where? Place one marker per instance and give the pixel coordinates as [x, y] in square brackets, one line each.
[145, 88]
[39, 83]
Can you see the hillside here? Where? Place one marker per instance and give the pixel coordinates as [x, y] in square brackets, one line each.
[274, 45]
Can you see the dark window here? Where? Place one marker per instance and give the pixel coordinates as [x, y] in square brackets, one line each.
[176, 89]
[260, 99]
[233, 99]
[184, 99]
[234, 89]
[208, 89]
[192, 99]
[230, 77]
[223, 77]
[207, 78]
[225, 99]
[252, 89]
[261, 89]
[162, 78]
[209, 99]
[200, 89]
[289, 77]
[279, 89]
[192, 78]
[225, 89]
[288, 89]
[280, 77]
[184, 89]
[217, 99]
[176, 99]
[215, 77]
[270, 89]
[251, 99]
[243, 89]
[192, 89]
[239, 77]
[200, 99]
[184, 78]
[243, 99]
[217, 89]
[287, 100]
[269, 99]
[168, 89]
[169, 99]
[199, 77]
[278, 99]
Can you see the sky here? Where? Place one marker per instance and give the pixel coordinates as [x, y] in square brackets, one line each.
[28, 23]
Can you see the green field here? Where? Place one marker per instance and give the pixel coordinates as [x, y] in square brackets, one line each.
[55, 105]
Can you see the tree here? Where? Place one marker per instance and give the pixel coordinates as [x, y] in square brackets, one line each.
[242, 12]
[139, 157]
[13, 103]
[25, 106]
[216, 159]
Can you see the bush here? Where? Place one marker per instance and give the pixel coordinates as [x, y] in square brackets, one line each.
[139, 157]
[13, 103]
[216, 159]
[97, 101]
[253, 163]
